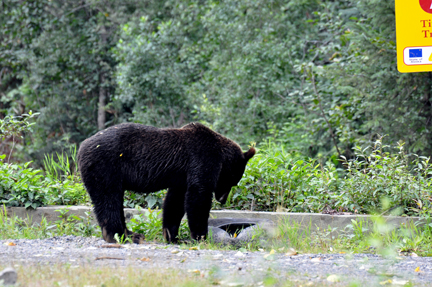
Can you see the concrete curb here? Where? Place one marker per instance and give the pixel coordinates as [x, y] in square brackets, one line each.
[304, 220]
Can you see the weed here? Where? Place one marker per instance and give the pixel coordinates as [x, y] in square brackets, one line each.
[122, 240]
[62, 167]
[71, 224]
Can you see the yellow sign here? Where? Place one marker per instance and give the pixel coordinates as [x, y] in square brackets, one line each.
[414, 35]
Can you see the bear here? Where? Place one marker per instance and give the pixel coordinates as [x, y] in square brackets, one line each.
[193, 162]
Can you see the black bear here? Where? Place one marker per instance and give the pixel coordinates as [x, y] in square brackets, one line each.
[193, 162]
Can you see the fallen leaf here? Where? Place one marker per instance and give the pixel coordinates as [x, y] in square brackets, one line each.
[183, 260]
[333, 278]
[193, 248]
[414, 255]
[145, 259]
[272, 252]
[291, 252]
[196, 271]
[417, 269]
[235, 235]
[121, 154]
[317, 259]
[10, 244]
[389, 281]
[342, 252]
[175, 251]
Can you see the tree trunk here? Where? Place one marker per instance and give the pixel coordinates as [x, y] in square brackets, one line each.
[101, 107]
[102, 89]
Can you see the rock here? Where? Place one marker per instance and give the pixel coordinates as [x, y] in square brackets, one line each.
[8, 276]
[219, 235]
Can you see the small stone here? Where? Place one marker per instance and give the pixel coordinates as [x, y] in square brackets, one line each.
[8, 276]
[333, 278]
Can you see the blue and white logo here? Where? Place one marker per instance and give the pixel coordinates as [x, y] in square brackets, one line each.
[415, 53]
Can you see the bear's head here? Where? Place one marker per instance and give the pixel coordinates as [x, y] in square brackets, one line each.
[231, 173]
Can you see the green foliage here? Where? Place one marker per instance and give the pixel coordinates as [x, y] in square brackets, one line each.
[20, 185]
[242, 67]
[64, 180]
[68, 224]
[17, 228]
[149, 223]
[402, 180]
[279, 180]
[379, 179]
[122, 239]
[57, 59]
[361, 236]
[13, 128]
[62, 167]
[151, 200]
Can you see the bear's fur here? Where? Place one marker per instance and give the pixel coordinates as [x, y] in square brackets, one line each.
[192, 162]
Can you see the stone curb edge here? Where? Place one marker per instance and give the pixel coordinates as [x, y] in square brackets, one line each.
[304, 220]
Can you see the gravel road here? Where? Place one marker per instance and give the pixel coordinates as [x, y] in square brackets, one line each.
[247, 267]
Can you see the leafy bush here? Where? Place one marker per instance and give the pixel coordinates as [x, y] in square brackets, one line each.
[379, 179]
[276, 178]
[20, 185]
[402, 180]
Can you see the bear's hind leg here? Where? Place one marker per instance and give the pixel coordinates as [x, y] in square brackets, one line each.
[173, 212]
[109, 213]
[198, 205]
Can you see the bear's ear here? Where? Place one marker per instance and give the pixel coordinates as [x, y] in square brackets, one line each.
[249, 154]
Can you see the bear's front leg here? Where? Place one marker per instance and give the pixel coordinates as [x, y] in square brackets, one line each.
[173, 212]
[198, 204]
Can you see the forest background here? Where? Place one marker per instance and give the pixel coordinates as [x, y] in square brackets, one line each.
[317, 79]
